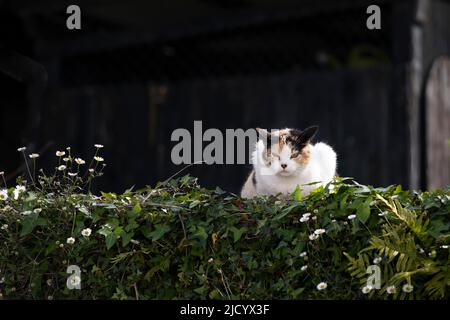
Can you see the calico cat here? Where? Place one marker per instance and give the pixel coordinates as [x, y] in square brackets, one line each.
[286, 158]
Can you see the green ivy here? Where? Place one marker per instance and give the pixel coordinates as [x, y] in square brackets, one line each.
[181, 241]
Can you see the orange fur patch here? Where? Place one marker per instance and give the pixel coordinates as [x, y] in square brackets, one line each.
[281, 141]
[304, 156]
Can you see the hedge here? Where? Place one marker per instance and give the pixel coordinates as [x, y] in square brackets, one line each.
[181, 241]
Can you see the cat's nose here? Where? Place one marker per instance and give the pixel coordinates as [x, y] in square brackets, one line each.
[284, 165]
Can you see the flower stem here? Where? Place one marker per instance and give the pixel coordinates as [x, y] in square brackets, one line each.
[4, 181]
[28, 168]
[34, 170]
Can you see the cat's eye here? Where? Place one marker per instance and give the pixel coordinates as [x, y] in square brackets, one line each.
[295, 155]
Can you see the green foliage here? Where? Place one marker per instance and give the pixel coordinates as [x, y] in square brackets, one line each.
[181, 241]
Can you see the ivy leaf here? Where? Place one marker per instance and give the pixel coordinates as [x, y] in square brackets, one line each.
[201, 290]
[110, 240]
[159, 232]
[201, 235]
[237, 233]
[126, 237]
[31, 222]
[363, 210]
[438, 227]
[185, 179]
[219, 191]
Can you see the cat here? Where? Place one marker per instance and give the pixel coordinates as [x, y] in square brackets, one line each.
[286, 158]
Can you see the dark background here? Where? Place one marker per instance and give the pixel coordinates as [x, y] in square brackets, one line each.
[139, 69]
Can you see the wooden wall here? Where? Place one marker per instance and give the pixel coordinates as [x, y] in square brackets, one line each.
[437, 119]
[352, 108]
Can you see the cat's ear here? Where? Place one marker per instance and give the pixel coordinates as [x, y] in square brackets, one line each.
[304, 137]
[309, 133]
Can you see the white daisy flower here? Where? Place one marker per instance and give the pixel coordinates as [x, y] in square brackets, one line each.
[70, 240]
[72, 174]
[134, 241]
[319, 231]
[303, 254]
[313, 218]
[21, 188]
[444, 246]
[322, 286]
[79, 161]
[4, 227]
[34, 156]
[333, 221]
[2, 173]
[313, 236]
[66, 159]
[75, 280]
[91, 170]
[37, 210]
[98, 159]
[2, 280]
[304, 268]
[351, 217]
[22, 149]
[98, 146]
[4, 194]
[68, 148]
[366, 289]
[377, 260]
[27, 213]
[60, 153]
[391, 290]
[210, 260]
[306, 215]
[304, 219]
[86, 232]
[408, 288]
[62, 168]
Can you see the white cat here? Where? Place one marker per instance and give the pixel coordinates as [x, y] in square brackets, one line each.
[286, 158]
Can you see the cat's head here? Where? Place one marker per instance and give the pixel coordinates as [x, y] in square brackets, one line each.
[285, 152]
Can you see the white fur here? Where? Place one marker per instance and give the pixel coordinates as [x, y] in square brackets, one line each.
[273, 179]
